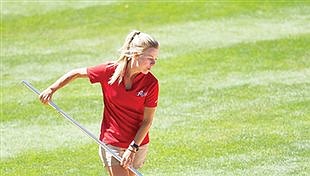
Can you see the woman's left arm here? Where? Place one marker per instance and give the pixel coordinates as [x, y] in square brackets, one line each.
[129, 154]
[146, 124]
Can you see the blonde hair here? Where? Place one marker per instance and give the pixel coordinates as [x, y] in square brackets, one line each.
[135, 43]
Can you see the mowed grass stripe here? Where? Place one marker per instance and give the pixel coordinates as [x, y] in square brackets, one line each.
[20, 138]
[142, 14]
[201, 34]
[226, 32]
[31, 8]
[70, 160]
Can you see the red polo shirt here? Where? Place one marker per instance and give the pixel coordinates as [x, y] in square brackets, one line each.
[123, 109]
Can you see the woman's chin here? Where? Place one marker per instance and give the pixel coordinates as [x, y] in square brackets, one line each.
[145, 72]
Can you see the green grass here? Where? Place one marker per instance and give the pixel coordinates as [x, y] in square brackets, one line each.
[234, 85]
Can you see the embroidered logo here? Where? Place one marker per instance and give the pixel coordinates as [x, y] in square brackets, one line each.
[141, 93]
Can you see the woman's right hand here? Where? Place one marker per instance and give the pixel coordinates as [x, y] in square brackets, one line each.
[46, 95]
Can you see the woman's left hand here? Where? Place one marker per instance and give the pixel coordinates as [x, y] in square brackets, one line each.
[128, 157]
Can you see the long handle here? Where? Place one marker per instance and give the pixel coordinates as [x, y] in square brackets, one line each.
[65, 115]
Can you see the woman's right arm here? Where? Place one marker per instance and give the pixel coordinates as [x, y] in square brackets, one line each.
[47, 94]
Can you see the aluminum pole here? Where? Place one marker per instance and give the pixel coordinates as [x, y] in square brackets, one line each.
[88, 133]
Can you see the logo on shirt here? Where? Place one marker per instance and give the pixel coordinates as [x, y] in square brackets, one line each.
[141, 93]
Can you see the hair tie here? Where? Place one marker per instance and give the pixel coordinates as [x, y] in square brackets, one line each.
[136, 33]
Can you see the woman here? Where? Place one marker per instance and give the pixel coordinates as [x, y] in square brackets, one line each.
[130, 94]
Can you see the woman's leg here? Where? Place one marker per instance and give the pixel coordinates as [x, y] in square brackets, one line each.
[117, 170]
[113, 166]
[110, 163]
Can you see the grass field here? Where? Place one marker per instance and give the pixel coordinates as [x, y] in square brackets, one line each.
[234, 85]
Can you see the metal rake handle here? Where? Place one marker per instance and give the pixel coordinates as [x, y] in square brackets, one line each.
[88, 133]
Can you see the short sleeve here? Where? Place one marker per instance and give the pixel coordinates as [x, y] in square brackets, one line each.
[152, 96]
[96, 73]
